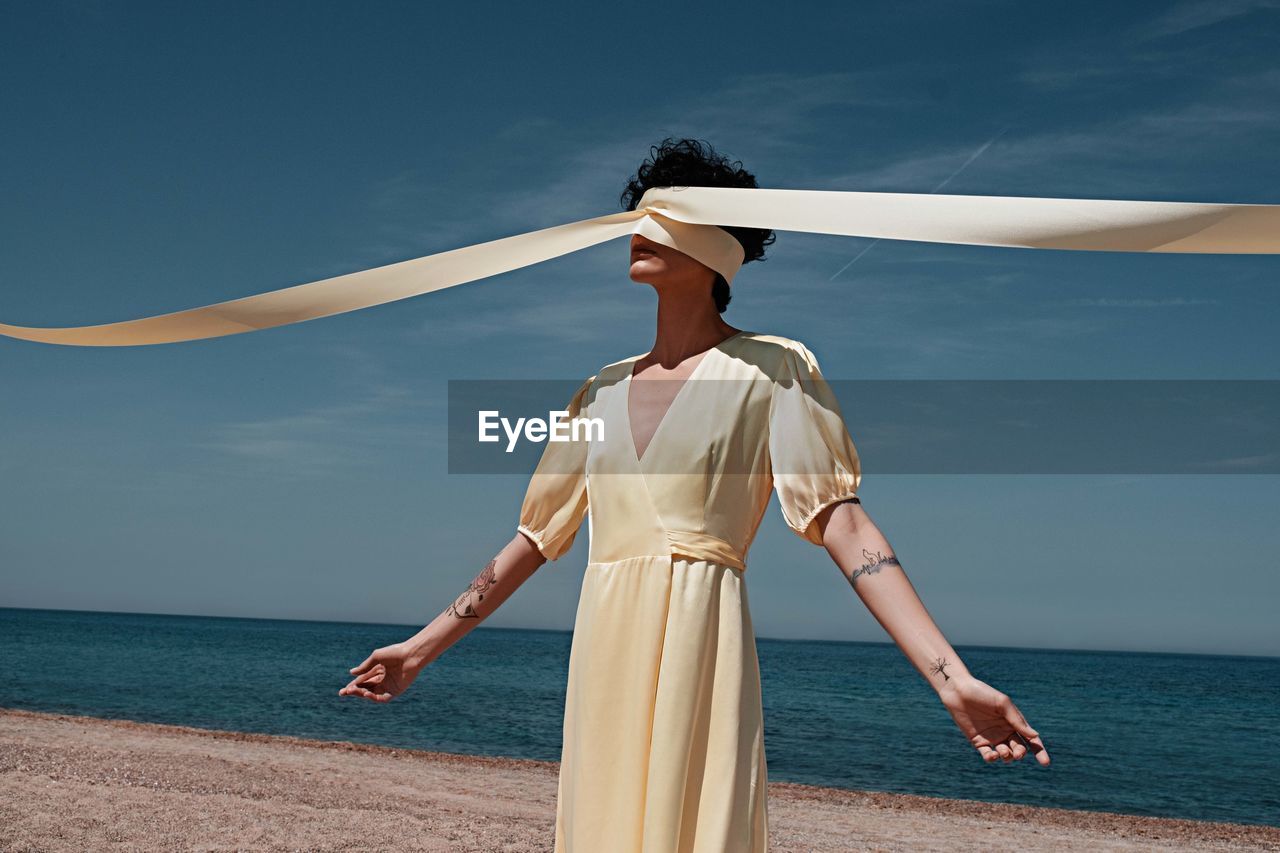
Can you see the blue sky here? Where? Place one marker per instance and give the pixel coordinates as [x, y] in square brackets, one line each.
[163, 156]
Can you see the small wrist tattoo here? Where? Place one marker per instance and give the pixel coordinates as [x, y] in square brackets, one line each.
[940, 668]
[875, 561]
[467, 604]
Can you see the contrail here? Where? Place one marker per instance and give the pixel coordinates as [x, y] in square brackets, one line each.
[974, 156]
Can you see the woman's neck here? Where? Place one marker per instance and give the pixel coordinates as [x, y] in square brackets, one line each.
[688, 323]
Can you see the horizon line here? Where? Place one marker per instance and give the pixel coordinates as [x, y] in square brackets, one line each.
[569, 631]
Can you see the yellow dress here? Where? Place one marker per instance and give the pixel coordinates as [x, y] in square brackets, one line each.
[663, 729]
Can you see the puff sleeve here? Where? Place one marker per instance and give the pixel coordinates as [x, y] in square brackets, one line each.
[556, 499]
[812, 458]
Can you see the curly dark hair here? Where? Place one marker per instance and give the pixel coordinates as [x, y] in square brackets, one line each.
[694, 163]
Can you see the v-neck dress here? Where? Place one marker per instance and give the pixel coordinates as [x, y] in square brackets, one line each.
[663, 729]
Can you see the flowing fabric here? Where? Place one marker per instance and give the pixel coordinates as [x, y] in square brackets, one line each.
[666, 214]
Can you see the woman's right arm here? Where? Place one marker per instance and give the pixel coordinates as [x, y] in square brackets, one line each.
[388, 671]
[554, 506]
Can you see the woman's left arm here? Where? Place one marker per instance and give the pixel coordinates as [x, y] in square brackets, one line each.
[987, 717]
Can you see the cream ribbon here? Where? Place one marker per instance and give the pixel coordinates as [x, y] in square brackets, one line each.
[688, 219]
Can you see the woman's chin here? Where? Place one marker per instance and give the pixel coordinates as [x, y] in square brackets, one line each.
[641, 273]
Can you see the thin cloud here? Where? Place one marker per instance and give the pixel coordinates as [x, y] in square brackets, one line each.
[585, 180]
[324, 437]
[1260, 463]
[982, 149]
[1111, 159]
[1186, 17]
[1107, 302]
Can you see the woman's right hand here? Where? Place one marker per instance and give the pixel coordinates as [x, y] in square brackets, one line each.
[383, 675]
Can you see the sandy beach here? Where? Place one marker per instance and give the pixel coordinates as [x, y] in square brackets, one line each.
[81, 783]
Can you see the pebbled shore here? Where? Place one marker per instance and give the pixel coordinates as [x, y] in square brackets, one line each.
[82, 783]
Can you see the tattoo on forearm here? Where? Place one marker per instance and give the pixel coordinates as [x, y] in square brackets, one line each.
[875, 562]
[465, 607]
[940, 668]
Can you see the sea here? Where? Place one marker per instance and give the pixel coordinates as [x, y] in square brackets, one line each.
[1173, 735]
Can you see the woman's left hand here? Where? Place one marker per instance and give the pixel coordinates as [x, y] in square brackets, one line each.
[990, 720]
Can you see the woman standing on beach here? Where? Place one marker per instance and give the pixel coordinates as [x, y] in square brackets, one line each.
[663, 730]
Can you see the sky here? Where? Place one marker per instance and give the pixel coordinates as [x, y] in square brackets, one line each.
[165, 156]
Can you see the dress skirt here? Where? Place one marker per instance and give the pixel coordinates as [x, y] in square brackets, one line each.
[663, 728]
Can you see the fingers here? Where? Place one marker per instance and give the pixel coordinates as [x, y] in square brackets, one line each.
[1008, 747]
[356, 690]
[1012, 749]
[367, 663]
[359, 686]
[1030, 735]
[1001, 750]
[1037, 747]
[366, 678]
[373, 678]
[1019, 722]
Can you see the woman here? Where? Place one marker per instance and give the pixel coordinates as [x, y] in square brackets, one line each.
[663, 730]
